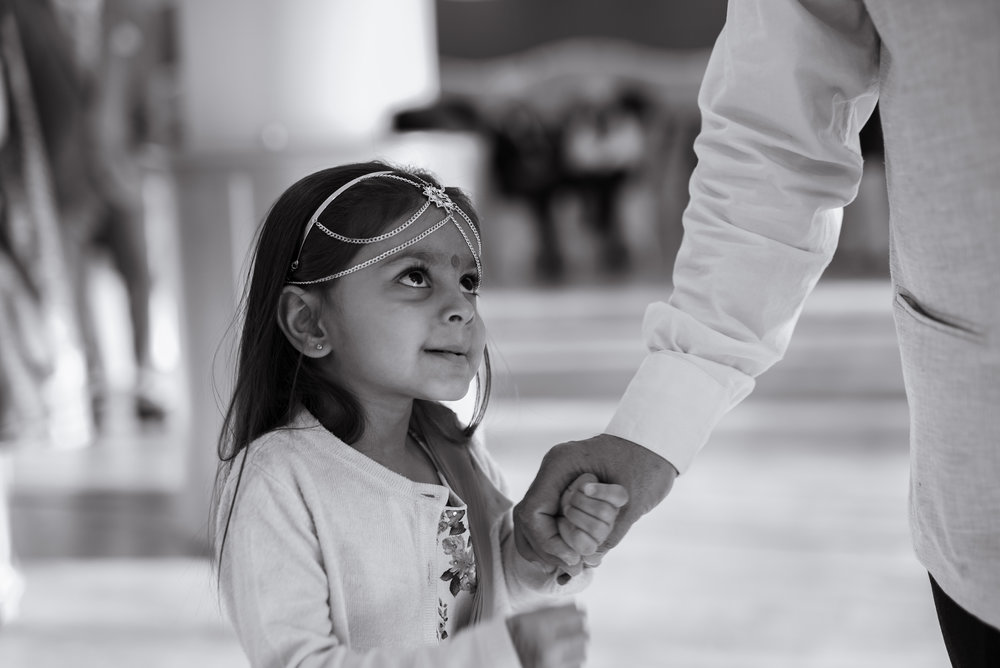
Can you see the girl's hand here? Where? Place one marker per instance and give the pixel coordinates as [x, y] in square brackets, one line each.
[551, 637]
[589, 510]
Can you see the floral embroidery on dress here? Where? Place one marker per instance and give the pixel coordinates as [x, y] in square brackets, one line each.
[455, 541]
[451, 521]
[462, 570]
[442, 620]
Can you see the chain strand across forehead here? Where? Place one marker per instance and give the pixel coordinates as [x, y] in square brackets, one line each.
[434, 195]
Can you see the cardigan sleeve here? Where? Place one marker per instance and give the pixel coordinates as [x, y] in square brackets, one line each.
[276, 592]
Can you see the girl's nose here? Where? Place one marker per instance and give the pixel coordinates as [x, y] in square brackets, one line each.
[459, 306]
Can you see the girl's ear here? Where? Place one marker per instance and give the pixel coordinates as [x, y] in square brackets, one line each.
[298, 318]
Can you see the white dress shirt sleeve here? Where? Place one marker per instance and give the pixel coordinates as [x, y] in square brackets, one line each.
[788, 87]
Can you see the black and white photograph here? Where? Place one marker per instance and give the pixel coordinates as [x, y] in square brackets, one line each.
[499, 334]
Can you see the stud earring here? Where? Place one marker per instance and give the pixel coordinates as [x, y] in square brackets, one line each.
[319, 346]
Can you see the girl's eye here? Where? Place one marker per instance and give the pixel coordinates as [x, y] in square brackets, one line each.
[470, 283]
[415, 278]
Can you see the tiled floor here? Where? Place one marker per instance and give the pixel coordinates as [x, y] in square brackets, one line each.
[785, 546]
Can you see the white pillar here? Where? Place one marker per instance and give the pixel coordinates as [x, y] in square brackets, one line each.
[271, 90]
[299, 74]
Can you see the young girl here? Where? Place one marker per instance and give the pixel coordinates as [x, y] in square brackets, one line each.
[358, 523]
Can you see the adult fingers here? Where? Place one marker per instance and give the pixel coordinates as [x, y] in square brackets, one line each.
[534, 517]
[543, 544]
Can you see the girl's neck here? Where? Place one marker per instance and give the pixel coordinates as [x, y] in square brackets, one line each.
[386, 425]
[385, 441]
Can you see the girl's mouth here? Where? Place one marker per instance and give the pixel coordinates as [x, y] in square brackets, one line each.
[438, 351]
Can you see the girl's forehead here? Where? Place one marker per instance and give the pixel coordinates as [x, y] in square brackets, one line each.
[446, 244]
[426, 239]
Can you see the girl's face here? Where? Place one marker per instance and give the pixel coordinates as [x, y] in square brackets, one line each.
[407, 326]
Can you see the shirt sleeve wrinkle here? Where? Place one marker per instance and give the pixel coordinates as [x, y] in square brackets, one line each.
[797, 71]
[740, 344]
[760, 226]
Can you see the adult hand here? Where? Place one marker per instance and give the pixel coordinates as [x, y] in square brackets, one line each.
[551, 637]
[646, 476]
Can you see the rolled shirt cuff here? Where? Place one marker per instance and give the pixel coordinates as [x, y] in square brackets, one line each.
[674, 401]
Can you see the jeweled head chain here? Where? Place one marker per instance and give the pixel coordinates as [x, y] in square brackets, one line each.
[435, 195]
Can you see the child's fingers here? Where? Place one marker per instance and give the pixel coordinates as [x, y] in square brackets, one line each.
[587, 487]
[575, 487]
[596, 528]
[589, 509]
[600, 510]
[579, 540]
[616, 495]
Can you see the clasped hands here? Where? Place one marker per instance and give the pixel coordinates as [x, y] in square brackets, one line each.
[584, 499]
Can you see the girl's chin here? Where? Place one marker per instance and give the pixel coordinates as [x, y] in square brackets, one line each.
[446, 396]
[455, 393]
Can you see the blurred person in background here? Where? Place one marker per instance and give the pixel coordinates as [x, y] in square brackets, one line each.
[81, 57]
[604, 144]
[23, 363]
[37, 319]
[67, 187]
[526, 160]
[788, 87]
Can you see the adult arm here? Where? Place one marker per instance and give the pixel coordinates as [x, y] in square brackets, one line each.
[788, 87]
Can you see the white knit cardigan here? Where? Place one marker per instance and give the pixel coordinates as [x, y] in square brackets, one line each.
[329, 560]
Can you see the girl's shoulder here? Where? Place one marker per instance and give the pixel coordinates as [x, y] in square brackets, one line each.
[271, 472]
[289, 446]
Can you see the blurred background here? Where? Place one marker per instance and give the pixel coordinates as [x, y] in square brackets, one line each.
[141, 142]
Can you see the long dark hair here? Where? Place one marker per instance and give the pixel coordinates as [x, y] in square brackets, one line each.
[273, 379]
